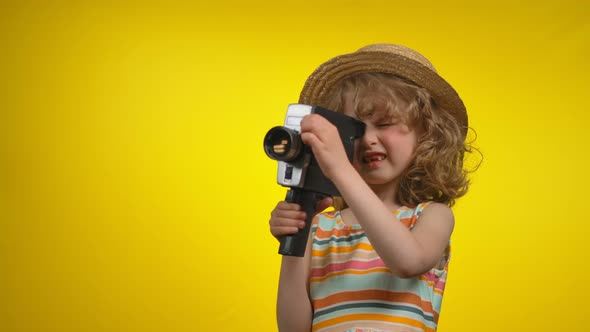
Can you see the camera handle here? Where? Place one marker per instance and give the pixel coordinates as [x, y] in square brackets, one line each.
[295, 245]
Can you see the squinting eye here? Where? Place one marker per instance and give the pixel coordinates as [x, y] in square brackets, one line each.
[386, 124]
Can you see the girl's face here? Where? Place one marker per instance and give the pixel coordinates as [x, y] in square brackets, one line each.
[385, 151]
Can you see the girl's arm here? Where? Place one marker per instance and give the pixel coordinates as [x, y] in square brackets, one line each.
[406, 253]
[294, 310]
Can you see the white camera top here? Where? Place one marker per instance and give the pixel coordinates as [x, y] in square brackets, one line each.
[295, 113]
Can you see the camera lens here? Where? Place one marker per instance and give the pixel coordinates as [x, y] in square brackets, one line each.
[281, 143]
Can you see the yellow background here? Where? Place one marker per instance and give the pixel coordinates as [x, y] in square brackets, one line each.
[135, 194]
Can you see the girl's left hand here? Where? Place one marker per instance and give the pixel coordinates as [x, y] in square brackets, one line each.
[325, 142]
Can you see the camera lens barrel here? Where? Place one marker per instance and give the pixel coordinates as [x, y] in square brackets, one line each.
[283, 144]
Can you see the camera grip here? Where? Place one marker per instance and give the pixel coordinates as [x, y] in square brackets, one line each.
[295, 245]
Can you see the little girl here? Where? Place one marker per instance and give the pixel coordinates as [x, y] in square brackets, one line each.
[379, 261]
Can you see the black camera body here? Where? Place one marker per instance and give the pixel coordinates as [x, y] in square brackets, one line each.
[298, 168]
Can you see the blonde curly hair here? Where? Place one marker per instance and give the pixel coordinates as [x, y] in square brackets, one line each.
[436, 172]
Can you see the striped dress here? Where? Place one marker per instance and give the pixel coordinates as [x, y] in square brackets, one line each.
[352, 290]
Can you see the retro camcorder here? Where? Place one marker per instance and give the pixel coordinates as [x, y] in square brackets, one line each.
[298, 168]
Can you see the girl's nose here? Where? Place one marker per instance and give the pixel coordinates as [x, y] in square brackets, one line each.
[370, 137]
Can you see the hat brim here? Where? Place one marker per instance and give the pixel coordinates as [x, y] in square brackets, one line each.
[327, 75]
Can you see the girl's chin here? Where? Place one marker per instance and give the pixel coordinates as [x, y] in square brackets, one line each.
[368, 167]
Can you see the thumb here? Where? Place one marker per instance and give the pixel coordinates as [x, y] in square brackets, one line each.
[324, 204]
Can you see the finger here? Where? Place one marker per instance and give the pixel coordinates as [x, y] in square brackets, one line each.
[287, 222]
[282, 205]
[308, 121]
[281, 231]
[310, 139]
[318, 125]
[289, 214]
[312, 124]
[324, 204]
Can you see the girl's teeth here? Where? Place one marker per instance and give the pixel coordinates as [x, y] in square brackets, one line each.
[375, 158]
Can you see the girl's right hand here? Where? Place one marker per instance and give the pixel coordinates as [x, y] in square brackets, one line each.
[288, 218]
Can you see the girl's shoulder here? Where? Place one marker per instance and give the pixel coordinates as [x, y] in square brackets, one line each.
[412, 211]
[410, 215]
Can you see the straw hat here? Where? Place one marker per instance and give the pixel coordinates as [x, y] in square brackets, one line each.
[384, 58]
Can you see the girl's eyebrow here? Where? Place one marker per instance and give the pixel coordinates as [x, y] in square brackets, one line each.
[386, 116]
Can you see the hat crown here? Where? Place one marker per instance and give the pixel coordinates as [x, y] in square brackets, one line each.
[392, 59]
[399, 50]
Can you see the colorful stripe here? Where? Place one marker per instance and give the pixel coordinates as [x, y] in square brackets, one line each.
[352, 289]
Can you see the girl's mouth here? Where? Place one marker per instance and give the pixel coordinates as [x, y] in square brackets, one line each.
[373, 158]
